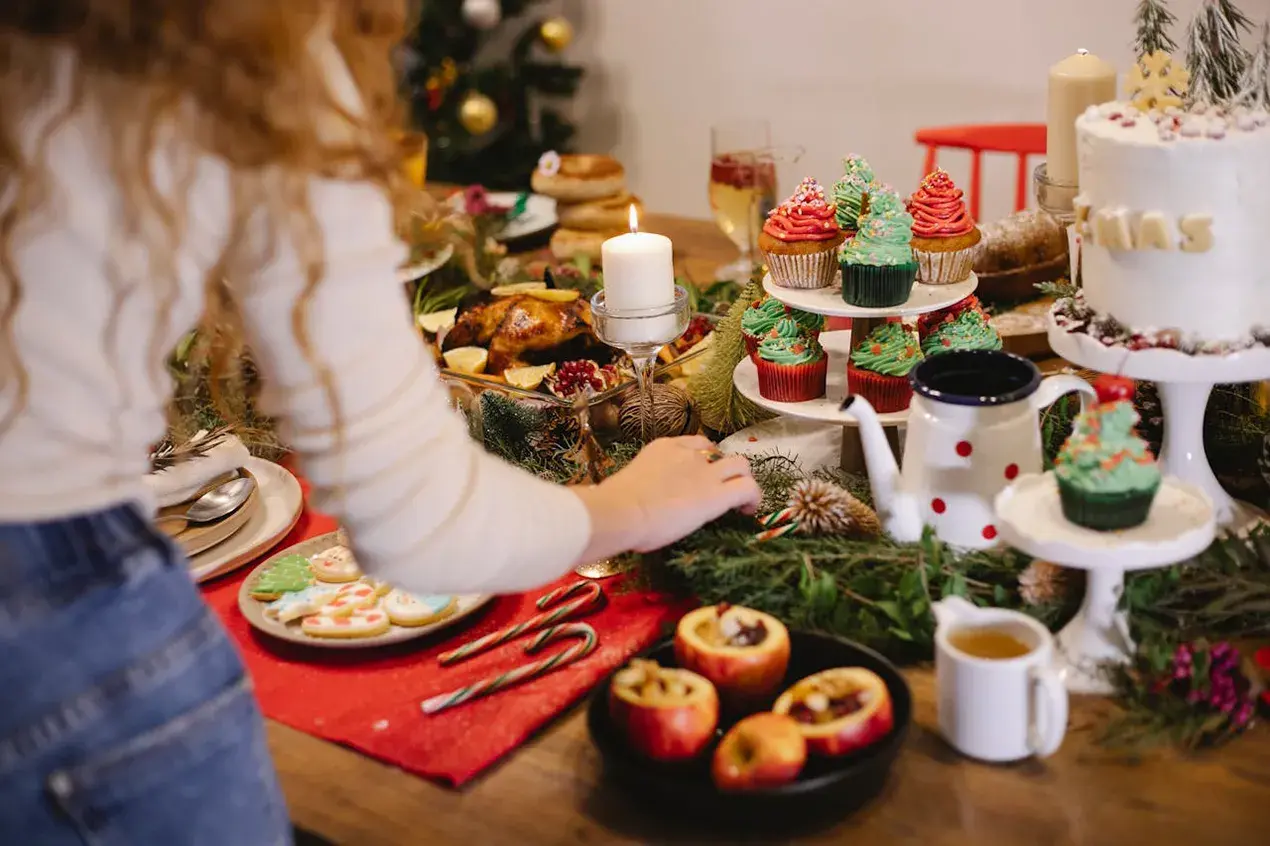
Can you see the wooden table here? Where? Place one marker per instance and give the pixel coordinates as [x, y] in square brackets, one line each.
[550, 791]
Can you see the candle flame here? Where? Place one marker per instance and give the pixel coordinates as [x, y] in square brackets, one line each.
[634, 219]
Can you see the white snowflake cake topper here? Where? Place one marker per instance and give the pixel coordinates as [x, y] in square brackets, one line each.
[549, 163]
[1157, 82]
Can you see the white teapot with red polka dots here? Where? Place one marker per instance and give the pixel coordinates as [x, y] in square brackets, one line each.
[973, 426]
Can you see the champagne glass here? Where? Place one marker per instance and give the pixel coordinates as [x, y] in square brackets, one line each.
[743, 181]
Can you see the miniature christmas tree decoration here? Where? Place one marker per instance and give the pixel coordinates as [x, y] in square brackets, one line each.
[1214, 55]
[1157, 82]
[1153, 20]
[1254, 89]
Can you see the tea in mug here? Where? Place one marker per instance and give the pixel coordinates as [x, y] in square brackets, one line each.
[988, 642]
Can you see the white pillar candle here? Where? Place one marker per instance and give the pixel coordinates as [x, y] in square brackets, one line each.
[639, 275]
[1076, 83]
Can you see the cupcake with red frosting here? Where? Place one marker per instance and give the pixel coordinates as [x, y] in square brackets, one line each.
[800, 239]
[928, 322]
[945, 238]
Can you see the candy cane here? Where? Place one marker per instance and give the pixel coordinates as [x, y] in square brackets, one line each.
[587, 641]
[590, 596]
[776, 532]
[776, 518]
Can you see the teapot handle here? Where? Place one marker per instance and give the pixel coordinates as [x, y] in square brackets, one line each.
[1053, 387]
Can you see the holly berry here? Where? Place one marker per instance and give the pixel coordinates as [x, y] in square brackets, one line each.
[1114, 388]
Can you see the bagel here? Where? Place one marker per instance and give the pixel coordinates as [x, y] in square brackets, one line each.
[569, 244]
[608, 215]
[581, 178]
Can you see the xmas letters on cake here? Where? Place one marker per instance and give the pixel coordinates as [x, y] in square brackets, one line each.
[1122, 229]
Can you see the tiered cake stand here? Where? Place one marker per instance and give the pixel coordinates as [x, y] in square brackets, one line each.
[1030, 518]
[1184, 382]
[838, 346]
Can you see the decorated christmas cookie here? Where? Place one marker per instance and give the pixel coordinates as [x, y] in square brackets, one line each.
[293, 606]
[404, 609]
[336, 565]
[288, 574]
[354, 596]
[366, 623]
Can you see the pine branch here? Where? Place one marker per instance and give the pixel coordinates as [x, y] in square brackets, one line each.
[1153, 20]
[1214, 55]
[1254, 88]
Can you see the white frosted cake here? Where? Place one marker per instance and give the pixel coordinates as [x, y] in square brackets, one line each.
[1174, 214]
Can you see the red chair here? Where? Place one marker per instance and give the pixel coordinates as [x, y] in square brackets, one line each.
[1022, 139]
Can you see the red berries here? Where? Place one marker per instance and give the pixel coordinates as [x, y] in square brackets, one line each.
[1114, 388]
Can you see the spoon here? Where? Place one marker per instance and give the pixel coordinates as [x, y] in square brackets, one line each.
[218, 502]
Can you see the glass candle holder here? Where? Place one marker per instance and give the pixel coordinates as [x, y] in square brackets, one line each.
[1055, 198]
[641, 334]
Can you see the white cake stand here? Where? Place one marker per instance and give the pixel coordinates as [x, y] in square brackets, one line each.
[828, 301]
[1184, 383]
[1030, 518]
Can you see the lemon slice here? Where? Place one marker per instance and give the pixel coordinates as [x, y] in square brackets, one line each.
[466, 359]
[437, 321]
[518, 288]
[528, 377]
[555, 295]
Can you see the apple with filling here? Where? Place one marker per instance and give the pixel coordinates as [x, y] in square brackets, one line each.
[743, 652]
[764, 750]
[840, 710]
[667, 714]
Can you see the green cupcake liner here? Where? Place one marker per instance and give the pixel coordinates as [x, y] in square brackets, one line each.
[877, 286]
[1105, 512]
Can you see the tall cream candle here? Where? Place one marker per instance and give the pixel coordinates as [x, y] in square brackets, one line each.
[1076, 83]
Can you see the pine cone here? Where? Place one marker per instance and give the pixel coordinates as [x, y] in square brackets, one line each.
[823, 508]
[1042, 583]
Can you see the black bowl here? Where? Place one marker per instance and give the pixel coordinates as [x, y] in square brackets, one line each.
[825, 787]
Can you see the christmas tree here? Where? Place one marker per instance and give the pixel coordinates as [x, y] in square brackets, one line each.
[1254, 90]
[1153, 20]
[1213, 53]
[488, 118]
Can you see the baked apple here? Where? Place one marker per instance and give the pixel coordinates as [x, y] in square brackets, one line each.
[763, 750]
[839, 710]
[743, 652]
[667, 714]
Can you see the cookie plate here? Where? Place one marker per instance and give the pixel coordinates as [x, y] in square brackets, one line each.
[254, 610]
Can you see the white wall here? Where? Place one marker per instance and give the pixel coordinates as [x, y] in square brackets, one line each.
[834, 76]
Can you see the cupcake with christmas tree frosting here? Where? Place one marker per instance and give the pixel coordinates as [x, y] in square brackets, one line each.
[878, 368]
[801, 237]
[927, 322]
[1107, 477]
[791, 367]
[810, 324]
[878, 268]
[969, 330]
[850, 192]
[945, 238]
[759, 319]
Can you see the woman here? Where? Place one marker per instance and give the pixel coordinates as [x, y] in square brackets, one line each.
[154, 158]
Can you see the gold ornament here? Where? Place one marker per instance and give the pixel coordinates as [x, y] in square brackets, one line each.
[556, 34]
[477, 113]
[674, 414]
[823, 508]
[1157, 82]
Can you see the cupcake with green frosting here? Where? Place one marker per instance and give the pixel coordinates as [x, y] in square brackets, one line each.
[791, 369]
[969, 330]
[877, 265]
[1107, 477]
[878, 368]
[758, 320]
[850, 192]
[811, 324]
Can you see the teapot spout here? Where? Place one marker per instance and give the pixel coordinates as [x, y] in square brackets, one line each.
[897, 510]
[953, 610]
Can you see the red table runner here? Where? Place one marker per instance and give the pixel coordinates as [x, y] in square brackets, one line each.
[369, 700]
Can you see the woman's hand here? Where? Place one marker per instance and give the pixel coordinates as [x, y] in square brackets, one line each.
[673, 487]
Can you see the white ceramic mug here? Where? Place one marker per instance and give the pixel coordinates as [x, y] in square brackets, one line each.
[999, 709]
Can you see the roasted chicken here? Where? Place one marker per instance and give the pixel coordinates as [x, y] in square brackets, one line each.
[521, 330]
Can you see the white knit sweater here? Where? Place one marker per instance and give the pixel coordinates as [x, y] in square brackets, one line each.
[426, 508]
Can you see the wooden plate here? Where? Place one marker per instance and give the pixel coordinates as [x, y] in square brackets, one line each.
[254, 610]
[1012, 286]
[197, 538]
[281, 502]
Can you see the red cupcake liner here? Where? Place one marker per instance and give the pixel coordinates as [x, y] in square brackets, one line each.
[792, 382]
[751, 346]
[885, 393]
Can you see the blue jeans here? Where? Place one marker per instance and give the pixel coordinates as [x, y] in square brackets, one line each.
[126, 718]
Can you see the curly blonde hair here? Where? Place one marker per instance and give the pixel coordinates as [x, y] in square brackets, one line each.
[239, 79]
